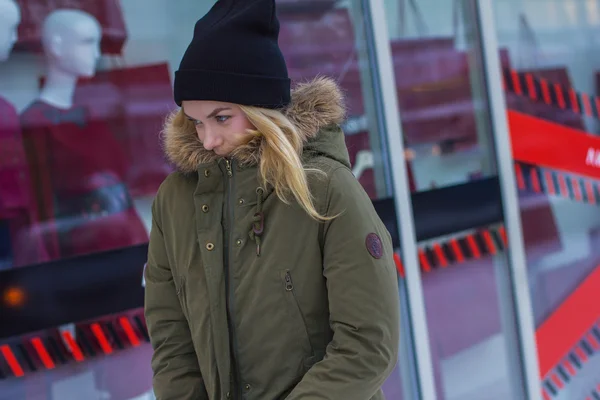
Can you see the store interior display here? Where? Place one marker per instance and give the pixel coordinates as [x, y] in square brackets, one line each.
[133, 101]
[83, 202]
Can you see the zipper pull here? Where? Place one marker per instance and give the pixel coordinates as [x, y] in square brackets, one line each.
[228, 167]
[289, 286]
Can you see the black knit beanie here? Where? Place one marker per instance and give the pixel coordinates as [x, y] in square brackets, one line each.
[234, 57]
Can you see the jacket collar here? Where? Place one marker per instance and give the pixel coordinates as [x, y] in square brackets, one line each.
[315, 105]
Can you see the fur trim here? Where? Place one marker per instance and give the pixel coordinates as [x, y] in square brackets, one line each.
[314, 105]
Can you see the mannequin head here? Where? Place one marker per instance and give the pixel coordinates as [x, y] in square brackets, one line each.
[71, 40]
[10, 16]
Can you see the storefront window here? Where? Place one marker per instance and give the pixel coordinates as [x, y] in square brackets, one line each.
[83, 95]
[457, 206]
[551, 86]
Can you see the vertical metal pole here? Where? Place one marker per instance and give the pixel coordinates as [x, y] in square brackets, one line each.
[510, 203]
[384, 74]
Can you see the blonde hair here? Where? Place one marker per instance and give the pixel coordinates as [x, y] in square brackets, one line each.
[280, 163]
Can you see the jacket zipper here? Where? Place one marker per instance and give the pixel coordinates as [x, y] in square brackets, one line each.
[228, 280]
[289, 286]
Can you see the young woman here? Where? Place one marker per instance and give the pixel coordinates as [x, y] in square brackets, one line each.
[270, 275]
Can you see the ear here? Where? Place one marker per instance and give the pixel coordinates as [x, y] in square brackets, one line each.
[55, 45]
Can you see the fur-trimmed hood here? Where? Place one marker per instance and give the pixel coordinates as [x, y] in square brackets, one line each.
[317, 109]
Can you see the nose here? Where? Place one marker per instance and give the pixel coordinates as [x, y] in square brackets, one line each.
[211, 140]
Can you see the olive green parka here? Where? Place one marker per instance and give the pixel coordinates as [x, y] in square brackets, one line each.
[248, 297]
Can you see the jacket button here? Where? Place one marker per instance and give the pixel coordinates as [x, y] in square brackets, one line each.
[207, 173]
[239, 242]
[210, 246]
[247, 387]
[205, 208]
[228, 395]
[241, 201]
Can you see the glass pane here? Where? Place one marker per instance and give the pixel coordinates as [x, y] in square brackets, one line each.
[457, 205]
[80, 163]
[551, 88]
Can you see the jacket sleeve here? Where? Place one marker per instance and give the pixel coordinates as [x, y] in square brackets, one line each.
[363, 298]
[176, 374]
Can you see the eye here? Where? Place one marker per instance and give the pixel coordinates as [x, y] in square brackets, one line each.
[222, 118]
[195, 121]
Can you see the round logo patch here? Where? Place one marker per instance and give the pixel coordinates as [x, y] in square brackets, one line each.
[374, 245]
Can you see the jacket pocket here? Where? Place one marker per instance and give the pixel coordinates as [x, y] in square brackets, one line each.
[295, 311]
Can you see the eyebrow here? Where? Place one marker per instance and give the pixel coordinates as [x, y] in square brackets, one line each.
[213, 113]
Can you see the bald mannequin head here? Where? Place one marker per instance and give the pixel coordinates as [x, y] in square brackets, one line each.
[10, 17]
[71, 40]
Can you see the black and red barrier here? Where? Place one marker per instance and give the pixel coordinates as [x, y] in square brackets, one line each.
[551, 93]
[58, 347]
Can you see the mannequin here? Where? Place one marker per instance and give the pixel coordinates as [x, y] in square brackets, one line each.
[71, 41]
[10, 16]
[15, 196]
[77, 164]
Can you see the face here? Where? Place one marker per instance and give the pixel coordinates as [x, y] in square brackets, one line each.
[221, 127]
[80, 50]
[10, 17]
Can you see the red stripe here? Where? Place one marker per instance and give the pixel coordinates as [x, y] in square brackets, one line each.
[572, 319]
[42, 352]
[587, 105]
[489, 242]
[440, 255]
[557, 381]
[473, 246]
[574, 102]
[457, 251]
[563, 185]
[559, 96]
[12, 361]
[590, 192]
[516, 84]
[549, 182]
[424, 262]
[502, 231]
[593, 341]
[546, 395]
[535, 181]
[551, 145]
[520, 179]
[530, 86]
[104, 345]
[546, 91]
[569, 367]
[576, 189]
[399, 265]
[73, 346]
[581, 354]
[135, 341]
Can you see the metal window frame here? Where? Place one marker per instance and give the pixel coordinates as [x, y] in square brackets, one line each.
[384, 78]
[510, 201]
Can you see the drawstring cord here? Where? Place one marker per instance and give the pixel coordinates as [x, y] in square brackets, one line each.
[258, 221]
